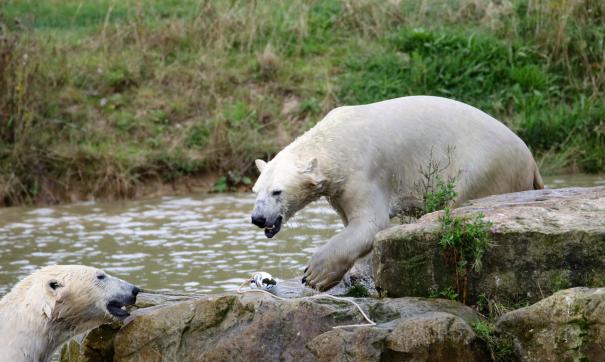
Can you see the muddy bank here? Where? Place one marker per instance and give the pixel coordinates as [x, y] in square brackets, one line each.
[53, 193]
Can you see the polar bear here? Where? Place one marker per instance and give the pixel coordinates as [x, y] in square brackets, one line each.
[366, 161]
[55, 303]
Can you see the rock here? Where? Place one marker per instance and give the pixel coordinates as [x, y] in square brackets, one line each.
[256, 326]
[542, 241]
[434, 336]
[567, 326]
[360, 275]
[96, 345]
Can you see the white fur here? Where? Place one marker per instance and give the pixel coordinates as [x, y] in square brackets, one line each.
[366, 159]
[36, 319]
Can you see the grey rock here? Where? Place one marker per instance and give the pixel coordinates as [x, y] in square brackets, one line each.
[541, 241]
[567, 326]
[255, 326]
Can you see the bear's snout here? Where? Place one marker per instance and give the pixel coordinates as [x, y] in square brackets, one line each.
[259, 220]
[135, 292]
[128, 296]
[132, 298]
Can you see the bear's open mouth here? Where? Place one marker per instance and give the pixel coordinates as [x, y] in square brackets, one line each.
[117, 309]
[274, 229]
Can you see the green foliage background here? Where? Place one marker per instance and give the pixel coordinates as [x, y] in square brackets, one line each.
[102, 96]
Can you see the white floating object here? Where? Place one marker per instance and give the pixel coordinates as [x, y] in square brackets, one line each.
[263, 280]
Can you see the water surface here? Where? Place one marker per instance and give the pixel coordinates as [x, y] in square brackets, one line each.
[195, 244]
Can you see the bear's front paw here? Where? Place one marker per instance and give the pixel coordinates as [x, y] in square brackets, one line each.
[323, 274]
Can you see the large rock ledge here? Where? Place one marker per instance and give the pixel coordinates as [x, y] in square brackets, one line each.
[255, 327]
[567, 326]
[542, 241]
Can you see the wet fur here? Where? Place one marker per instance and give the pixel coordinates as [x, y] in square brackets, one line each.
[36, 320]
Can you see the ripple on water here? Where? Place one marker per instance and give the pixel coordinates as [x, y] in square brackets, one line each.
[196, 244]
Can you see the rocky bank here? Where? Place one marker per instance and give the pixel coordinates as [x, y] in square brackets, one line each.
[258, 327]
[541, 241]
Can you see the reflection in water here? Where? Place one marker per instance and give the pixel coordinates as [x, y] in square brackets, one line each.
[198, 244]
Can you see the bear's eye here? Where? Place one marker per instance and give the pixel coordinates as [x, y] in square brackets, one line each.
[101, 276]
[276, 193]
[54, 285]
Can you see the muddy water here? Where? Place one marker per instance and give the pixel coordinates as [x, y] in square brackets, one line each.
[195, 244]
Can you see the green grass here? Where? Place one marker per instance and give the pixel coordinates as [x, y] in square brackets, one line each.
[448, 293]
[102, 96]
[500, 345]
[510, 80]
[73, 14]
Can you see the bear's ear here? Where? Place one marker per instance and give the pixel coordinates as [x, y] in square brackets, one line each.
[53, 292]
[55, 289]
[311, 169]
[260, 164]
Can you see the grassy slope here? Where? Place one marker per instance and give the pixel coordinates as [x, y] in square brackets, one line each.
[99, 97]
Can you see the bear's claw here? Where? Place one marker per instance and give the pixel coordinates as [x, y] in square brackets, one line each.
[321, 275]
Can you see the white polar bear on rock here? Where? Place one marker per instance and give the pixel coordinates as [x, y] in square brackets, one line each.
[55, 303]
[368, 159]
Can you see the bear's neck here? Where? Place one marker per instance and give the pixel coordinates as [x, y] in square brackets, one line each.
[25, 332]
[44, 338]
[56, 336]
[30, 335]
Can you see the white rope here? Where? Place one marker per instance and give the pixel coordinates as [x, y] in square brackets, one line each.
[316, 296]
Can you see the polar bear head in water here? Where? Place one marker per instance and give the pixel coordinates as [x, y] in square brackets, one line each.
[55, 303]
[83, 294]
[285, 185]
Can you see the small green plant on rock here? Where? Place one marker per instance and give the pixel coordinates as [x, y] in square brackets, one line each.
[357, 291]
[464, 240]
[442, 197]
[582, 338]
[559, 281]
[435, 191]
[501, 346]
[448, 293]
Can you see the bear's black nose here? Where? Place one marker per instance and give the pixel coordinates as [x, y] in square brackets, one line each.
[259, 221]
[135, 291]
